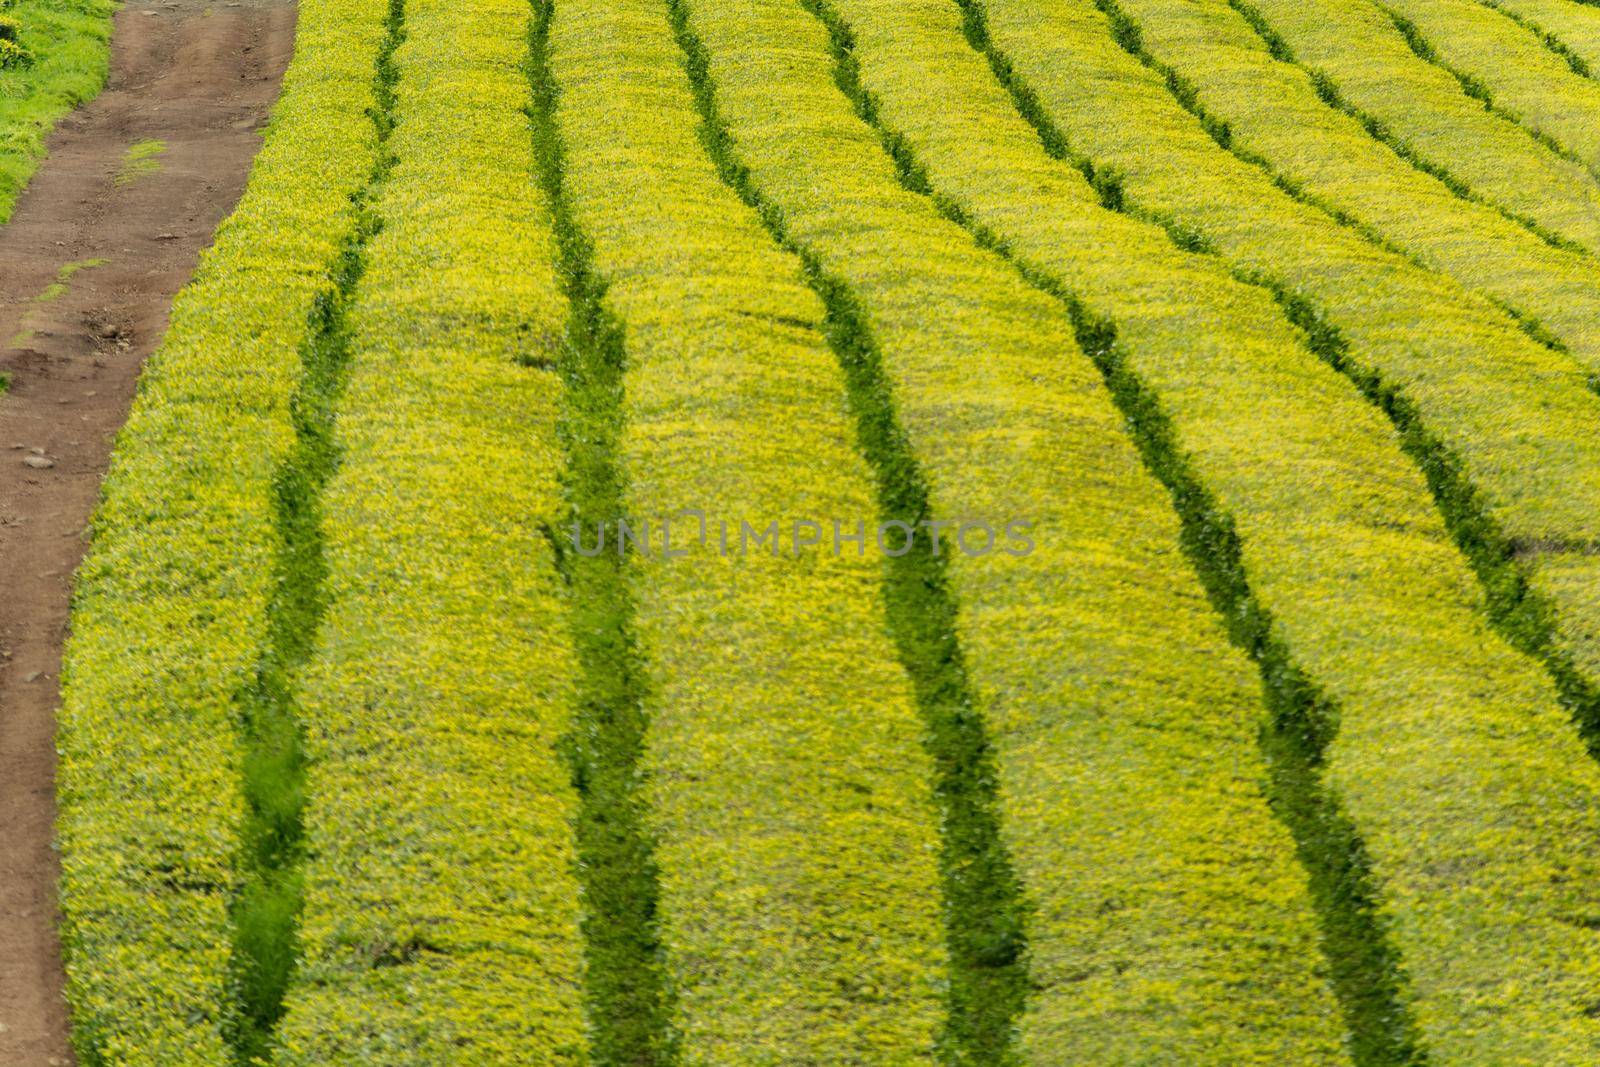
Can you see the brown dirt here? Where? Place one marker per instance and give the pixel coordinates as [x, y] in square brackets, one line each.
[200, 76]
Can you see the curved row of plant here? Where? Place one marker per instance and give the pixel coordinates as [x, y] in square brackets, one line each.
[1271, 113]
[54, 55]
[400, 493]
[1468, 394]
[1501, 425]
[1569, 28]
[1450, 751]
[441, 915]
[785, 785]
[1095, 659]
[1361, 60]
[1523, 77]
[171, 609]
[1570, 578]
[1516, 415]
[1265, 106]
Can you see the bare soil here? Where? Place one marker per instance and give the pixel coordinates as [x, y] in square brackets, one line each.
[200, 77]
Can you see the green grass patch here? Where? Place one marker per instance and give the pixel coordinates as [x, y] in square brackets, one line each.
[50, 293]
[142, 159]
[65, 274]
[58, 288]
[54, 55]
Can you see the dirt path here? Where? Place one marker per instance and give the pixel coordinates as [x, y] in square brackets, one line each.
[90, 262]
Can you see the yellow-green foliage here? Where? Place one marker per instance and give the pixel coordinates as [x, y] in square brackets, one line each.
[787, 787]
[1358, 48]
[1573, 26]
[1519, 419]
[170, 605]
[1457, 765]
[1524, 78]
[55, 57]
[1571, 581]
[786, 780]
[1103, 671]
[1519, 416]
[13, 54]
[441, 914]
[1272, 111]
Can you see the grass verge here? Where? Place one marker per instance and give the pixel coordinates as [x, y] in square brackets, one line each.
[63, 50]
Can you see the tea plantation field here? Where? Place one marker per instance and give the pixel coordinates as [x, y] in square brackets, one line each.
[864, 532]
